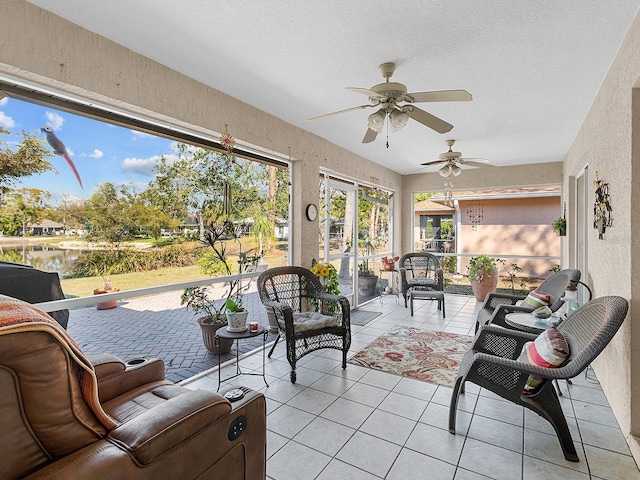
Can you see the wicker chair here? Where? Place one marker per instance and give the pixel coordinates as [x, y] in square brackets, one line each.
[492, 363]
[308, 317]
[421, 271]
[497, 305]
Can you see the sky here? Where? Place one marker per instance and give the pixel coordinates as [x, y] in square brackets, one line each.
[100, 151]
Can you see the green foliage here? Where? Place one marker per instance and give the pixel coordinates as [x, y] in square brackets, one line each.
[19, 208]
[560, 226]
[30, 158]
[210, 264]
[419, 197]
[232, 306]
[198, 300]
[480, 266]
[116, 261]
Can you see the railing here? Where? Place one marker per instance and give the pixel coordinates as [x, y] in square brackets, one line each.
[70, 303]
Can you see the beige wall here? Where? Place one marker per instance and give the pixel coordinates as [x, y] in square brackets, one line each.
[608, 142]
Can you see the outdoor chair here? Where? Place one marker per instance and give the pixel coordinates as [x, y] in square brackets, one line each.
[497, 305]
[494, 362]
[420, 271]
[307, 316]
[65, 414]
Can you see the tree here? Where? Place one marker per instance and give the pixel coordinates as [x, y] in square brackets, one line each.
[30, 158]
[21, 207]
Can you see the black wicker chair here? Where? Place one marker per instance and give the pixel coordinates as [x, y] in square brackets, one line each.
[492, 363]
[292, 291]
[497, 305]
[421, 271]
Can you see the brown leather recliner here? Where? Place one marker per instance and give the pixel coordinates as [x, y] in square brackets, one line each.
[62, 417]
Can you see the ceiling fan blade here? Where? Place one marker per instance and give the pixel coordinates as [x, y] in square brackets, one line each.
[338, 112]
[440, 96]
[427, 119]
[369, 136]
[367, 92]
[477, 164]
[434, 162]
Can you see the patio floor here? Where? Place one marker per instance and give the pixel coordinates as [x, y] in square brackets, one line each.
[364, 424]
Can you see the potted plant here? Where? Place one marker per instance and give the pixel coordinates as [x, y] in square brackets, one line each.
[107, 287]
[236, 315]
[367, 280]
[216, 235]
[213, 316]
[560, 226]
[483, 275]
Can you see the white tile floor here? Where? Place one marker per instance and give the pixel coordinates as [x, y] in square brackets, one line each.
[362, 424]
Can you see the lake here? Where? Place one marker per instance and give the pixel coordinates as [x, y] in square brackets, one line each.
[42, 257]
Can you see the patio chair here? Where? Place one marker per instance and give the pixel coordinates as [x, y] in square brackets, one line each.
[421, 271]
[497, 305]
[307, 316]
[493, 363]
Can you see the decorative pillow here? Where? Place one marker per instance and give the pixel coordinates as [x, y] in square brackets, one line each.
[303, 321]
[535, 299]
[549, 350]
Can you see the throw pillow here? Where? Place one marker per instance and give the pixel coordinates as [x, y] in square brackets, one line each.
[535, 299]
[549, 350]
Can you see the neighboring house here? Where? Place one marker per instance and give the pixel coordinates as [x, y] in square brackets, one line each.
[45, 227]
[506, 223]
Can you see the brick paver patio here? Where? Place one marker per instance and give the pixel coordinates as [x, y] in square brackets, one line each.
[159, 326]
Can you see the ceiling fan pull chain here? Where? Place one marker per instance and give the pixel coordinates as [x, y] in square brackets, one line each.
[387, 125]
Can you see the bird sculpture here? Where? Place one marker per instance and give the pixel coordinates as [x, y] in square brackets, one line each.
[60, 149]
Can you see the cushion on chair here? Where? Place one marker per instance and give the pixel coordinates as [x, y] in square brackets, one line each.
[535, 299]
[549, 350]
[303, 321]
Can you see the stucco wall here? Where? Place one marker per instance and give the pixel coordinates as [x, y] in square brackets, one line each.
[605, 142]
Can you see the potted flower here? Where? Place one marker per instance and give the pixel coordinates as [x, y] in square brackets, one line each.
[389, 263]
[107, 287]
[560, 226]
[483, 275]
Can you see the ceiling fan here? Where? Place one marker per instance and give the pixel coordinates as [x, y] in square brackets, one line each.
[451, 167]
[390, 96]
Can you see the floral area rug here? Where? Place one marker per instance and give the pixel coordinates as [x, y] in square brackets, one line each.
[424, 355]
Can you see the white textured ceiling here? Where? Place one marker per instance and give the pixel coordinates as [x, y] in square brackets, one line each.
[533, 68]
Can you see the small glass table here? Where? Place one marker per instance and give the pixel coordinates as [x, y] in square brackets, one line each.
[224, 333]
[528, 323]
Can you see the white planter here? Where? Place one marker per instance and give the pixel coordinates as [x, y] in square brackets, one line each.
[237, 321]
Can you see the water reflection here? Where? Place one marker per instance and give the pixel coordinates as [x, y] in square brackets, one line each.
[42, 257]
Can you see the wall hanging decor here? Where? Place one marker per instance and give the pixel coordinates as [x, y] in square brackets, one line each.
[602, 211]
[475, 212]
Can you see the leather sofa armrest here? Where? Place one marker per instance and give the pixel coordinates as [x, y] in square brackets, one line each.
[158, 430]
[116, 377]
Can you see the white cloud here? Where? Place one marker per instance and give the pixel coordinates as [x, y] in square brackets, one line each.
[54, 120]
[96, 154]
[6, 121]
[4, 101]
[144, 166]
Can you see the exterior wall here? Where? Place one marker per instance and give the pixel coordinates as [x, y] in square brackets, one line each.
[609, 142]
[513, 226]
[478, 179]
[46, 50]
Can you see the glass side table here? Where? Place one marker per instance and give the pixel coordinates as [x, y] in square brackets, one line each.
[224, 333]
